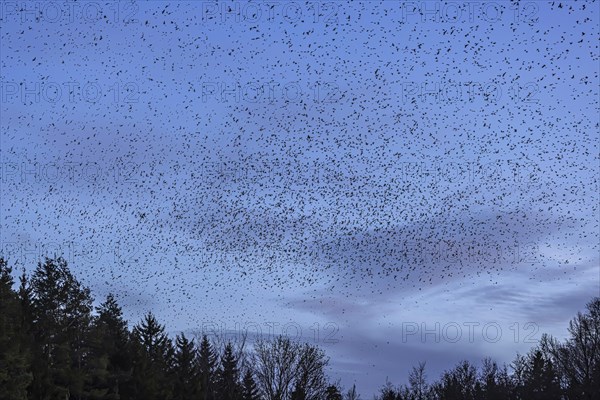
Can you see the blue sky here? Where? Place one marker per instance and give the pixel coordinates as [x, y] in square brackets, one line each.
[355, 171]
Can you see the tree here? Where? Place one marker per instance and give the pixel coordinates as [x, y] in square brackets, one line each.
[275, 363]
[333, 393]
[185, 369]
[495, 383]
[298, 393]
[111, 360]
[311, 383]
[207, 362]
[228, 375]
[417, 380]
[459, 383]
[154, 354]
[284, 367]
[388, 392]
[61, 315]
[249, 388]
[577, 361]
[15, 357]
[537, 378]
[352, 394]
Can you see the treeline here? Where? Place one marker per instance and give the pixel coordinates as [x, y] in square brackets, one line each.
[552, 370]
[54, 345]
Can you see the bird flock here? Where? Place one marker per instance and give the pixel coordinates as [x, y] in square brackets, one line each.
[216, 155]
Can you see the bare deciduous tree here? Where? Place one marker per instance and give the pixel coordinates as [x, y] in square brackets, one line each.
[578, 359]
[282, 365]
[351, 394]
[311, 372]
[418, 382]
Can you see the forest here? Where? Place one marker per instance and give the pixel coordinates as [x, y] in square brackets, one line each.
[55, 345]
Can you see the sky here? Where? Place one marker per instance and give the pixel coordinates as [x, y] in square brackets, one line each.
[392, 181]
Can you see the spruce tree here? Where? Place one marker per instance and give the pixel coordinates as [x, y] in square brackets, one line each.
[154, 354]
[185, 369]
[111, 362]
[207, 362]
[228, 375]
[249, 387]
[15, 358]
[540, 378]
[61, 315]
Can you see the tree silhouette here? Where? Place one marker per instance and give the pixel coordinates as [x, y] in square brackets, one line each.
[154, 356]
[249, 389]
[111, 360]
[457, 383]
[207, 364]
[333, 393]
[495, 382]
[417, 380]
[185, 369]
[55, 346]
[228, 375]
[352, 394]
[61, 312]
[285, 368]
[15, 357]
[577, 361]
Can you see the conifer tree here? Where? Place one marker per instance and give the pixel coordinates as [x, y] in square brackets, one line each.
[111, 361]
[154, 355]
[207, 362]
[250, 389]
[15, 358]
[61, 314]
[228, 375]
[540, 378]
[185, 369]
